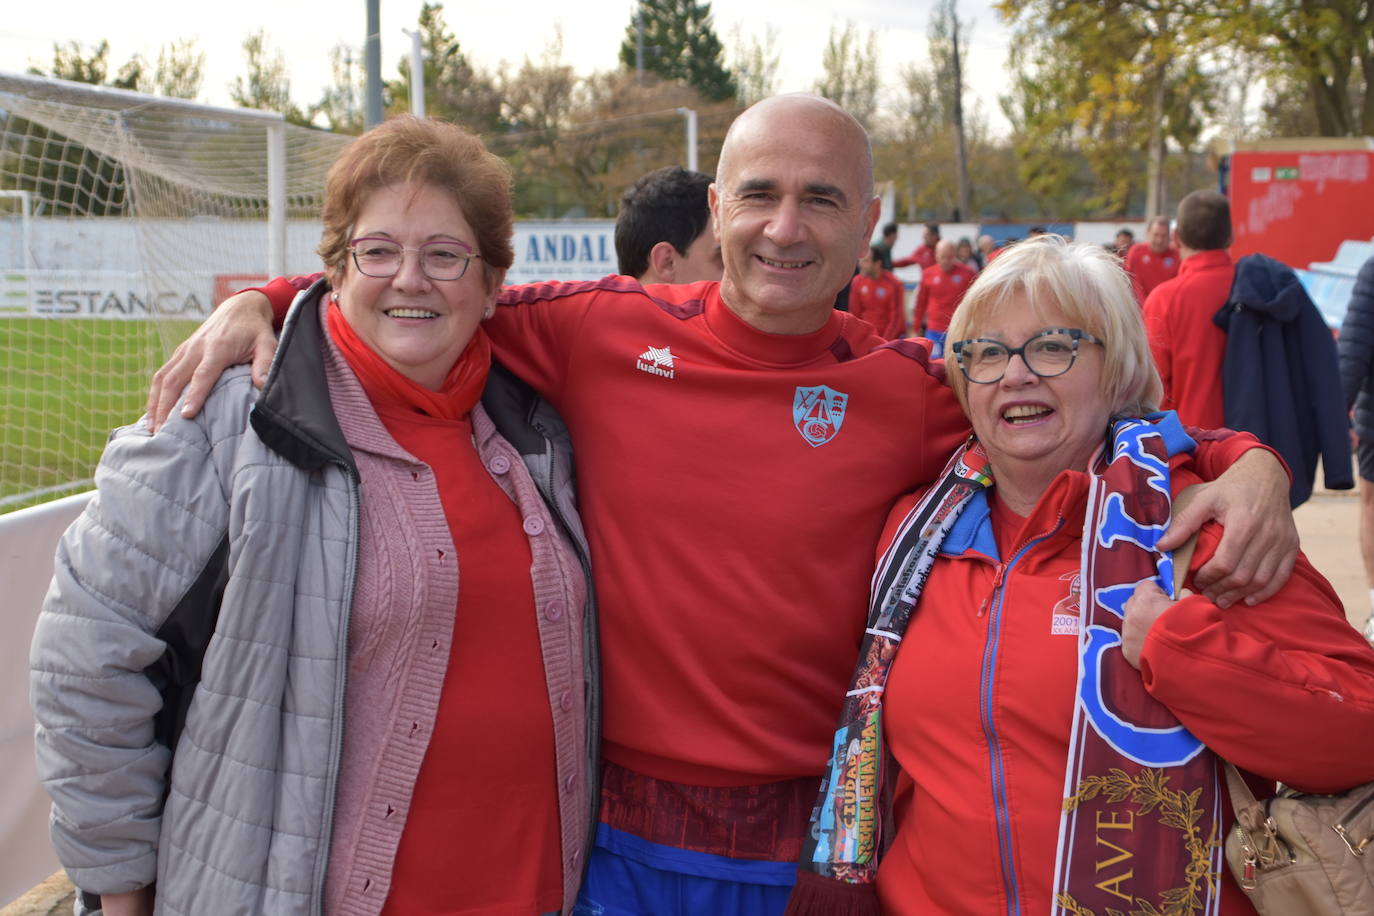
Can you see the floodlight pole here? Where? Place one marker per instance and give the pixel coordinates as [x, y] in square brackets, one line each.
[373, 46]
[691, 115]
[417, 73]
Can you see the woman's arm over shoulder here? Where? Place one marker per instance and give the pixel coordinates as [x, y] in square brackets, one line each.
[1284, 688]
[159, 517]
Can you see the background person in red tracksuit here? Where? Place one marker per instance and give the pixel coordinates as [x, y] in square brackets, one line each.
[1153, 261]
[878, 297]
[924, 255]
[942, 286]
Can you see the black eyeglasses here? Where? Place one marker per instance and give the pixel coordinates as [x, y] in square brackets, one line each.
[382, 258]
[1047, 353]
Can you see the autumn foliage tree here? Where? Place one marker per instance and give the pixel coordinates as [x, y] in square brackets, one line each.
[1320, 61]
[1111, 79]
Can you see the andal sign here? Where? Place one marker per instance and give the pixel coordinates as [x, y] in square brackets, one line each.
[563, 250]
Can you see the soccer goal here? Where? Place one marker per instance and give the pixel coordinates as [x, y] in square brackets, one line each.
[124, 219]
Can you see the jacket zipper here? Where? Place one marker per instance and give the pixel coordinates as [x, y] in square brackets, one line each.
[999, 787]
[590, 654]
[336, 746]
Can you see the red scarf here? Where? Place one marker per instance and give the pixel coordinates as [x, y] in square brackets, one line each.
[455, 398]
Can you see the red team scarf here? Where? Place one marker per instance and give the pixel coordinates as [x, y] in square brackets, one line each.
[1135, 777]
[461, 389]
[1142, 816]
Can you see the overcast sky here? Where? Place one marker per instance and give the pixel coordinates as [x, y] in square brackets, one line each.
[592, 31]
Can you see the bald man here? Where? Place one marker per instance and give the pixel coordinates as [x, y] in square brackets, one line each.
[943, 285]
[1154, 260]
[738, 447]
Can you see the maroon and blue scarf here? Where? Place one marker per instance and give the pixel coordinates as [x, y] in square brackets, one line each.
[1142, 809]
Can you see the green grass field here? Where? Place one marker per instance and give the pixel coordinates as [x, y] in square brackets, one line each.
[64, 384]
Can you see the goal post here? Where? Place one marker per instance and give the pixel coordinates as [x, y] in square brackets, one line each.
[124, 218]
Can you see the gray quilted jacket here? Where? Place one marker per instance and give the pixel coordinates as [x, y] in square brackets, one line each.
[252, 504]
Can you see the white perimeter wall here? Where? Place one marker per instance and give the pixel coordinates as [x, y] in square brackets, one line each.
[28, 539]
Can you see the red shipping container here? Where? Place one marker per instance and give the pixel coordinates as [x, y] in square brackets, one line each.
[1298, 199]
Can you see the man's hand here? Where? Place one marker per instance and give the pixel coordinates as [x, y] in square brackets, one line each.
[239, 331]
[1143, 608]
[133, 903]
[1259, 542]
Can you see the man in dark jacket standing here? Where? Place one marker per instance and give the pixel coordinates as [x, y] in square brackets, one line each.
[1241, 345]
[1356, 346]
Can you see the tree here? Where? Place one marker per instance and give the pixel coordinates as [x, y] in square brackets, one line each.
[266, 87]
[72, 61]
[755, 65]
[341, 106]
[455, 90]
[948, 38]
[539, 97]
[850, 73]
[1287, 110]
[614, 128]
[180, 71]
[676, 40]
[1326, 48]
[1125, 75]
[916, 147]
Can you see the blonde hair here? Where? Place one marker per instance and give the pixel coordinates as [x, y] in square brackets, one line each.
[1087, 286]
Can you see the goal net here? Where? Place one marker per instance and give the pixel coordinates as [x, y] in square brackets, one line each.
[124, 219]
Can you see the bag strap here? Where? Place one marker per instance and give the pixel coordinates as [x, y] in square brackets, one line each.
[1183, 554]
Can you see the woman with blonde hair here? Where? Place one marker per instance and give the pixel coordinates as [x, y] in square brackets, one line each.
[1057, 718]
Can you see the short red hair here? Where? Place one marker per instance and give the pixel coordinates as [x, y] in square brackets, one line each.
[407, 149]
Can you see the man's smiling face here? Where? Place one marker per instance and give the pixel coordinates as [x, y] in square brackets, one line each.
[793, 208]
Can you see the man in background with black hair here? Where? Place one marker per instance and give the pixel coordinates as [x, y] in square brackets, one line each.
[924, 255]
[662, 233]
[885, 245]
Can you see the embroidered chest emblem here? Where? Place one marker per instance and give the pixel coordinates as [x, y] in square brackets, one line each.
[818, 413]
[657, 361]
[1064, 616]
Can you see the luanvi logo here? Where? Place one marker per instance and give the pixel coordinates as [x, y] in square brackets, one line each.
[656, 361]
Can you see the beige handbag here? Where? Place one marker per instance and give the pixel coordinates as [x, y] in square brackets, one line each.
[1296, 854]
[1303, 855]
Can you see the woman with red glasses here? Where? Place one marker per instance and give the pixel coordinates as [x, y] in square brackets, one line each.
[313, 650]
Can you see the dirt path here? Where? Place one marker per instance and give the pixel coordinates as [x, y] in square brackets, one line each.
[1329, 526]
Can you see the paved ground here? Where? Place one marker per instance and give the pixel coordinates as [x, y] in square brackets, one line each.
[1329, 526]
